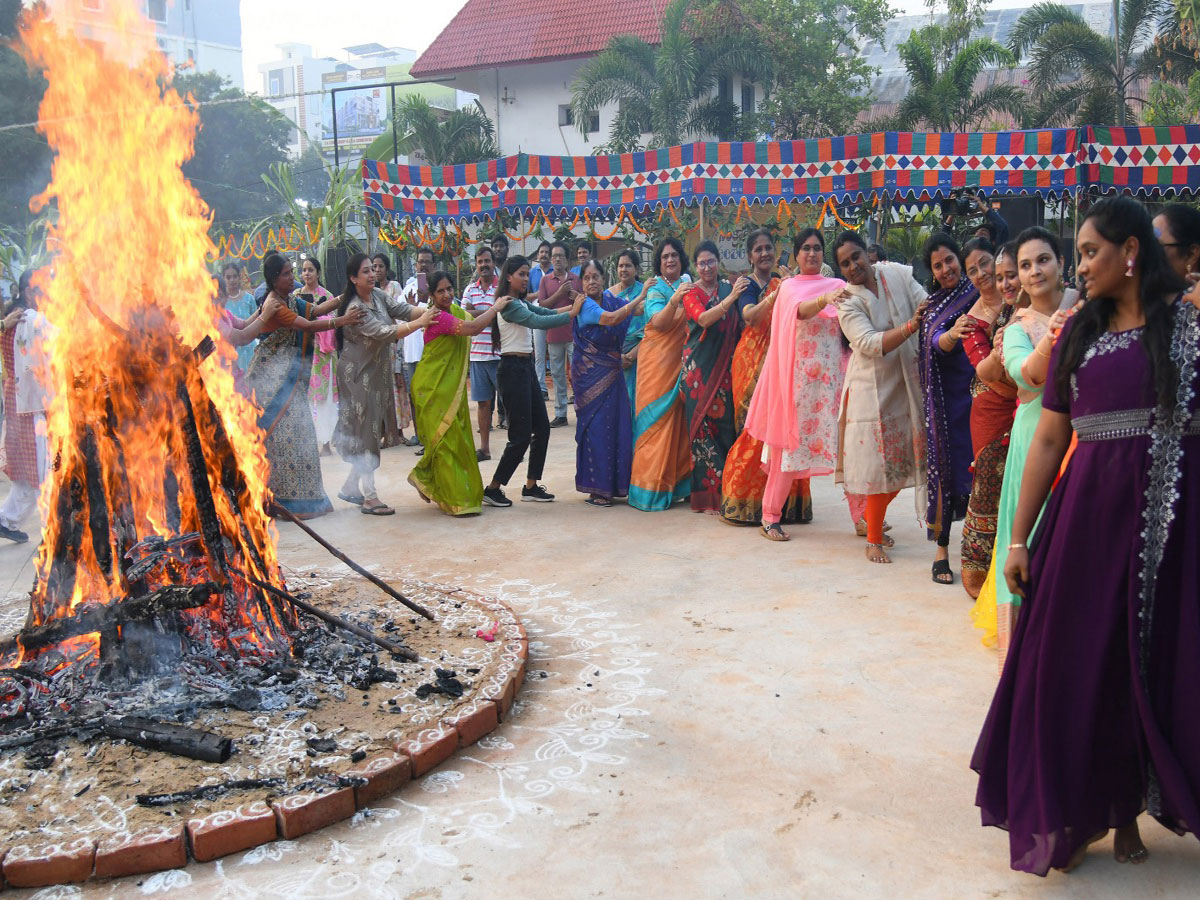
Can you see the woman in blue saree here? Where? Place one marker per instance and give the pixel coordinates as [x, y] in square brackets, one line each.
[603, 419]
[278, 377]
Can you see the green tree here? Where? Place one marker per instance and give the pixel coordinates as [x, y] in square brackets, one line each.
[821, 82]
[25, 152]
[310, 173]
[443, 137]
[1080, 76]
[941, 94]
[671, 91]
[240, 138]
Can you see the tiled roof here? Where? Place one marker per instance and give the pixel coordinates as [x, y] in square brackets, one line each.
[488, 33]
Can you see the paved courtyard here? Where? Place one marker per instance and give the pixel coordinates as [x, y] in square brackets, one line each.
[707, 715]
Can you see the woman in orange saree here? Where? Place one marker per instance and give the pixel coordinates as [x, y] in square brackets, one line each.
[745, 478]
[662, 450]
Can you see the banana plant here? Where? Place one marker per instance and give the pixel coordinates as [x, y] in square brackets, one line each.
[315, 227]
[22, 249]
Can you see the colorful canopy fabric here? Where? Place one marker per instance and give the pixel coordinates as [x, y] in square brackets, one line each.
[1044, 162]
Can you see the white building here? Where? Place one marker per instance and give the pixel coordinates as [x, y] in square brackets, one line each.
[521, 65]
[204, 34]
[292, 84]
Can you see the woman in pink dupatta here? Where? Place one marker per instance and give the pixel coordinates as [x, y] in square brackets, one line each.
[794, 409]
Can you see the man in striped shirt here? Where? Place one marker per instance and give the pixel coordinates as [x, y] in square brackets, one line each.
[478, 297]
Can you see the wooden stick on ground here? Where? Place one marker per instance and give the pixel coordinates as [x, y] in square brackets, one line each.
[378, 582]
[337, 621]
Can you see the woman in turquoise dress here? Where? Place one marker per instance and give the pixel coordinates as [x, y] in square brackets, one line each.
[1026, 345]
[628, 289]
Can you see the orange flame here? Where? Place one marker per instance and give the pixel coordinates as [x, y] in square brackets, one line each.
[132, 239]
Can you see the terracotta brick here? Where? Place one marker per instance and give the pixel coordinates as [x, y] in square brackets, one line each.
[473, 721]
[501, 692]
[39, 865]
[228, 831]
[427, 749]
[386, 773]
[145, 851]
[301, 813]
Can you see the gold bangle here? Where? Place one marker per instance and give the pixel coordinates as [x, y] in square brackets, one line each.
[1041, 352]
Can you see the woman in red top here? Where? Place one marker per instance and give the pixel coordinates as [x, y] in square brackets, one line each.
[994, 399]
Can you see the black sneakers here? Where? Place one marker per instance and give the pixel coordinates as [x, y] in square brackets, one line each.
[495, 497]
[12, 534]
[558, 422]
[536, 494]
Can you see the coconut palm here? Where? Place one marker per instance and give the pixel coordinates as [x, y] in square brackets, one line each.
[670, 91]
[442, 137]
[1080, 76]
[941, 94]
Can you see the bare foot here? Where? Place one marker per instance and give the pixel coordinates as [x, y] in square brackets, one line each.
[876, 553]
[1081, 854]
[1128, 846]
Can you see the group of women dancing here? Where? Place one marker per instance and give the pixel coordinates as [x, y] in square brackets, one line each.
[1062, 425]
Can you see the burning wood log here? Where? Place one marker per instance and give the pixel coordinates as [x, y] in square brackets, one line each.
[378, 582]
[93, 618]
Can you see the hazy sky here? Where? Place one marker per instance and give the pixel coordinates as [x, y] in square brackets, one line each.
[330, 26]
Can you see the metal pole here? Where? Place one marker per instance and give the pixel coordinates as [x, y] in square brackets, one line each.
[337, 158]
[395, 135]
[701, 218]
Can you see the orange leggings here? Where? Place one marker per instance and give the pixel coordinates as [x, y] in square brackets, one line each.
[877, 505]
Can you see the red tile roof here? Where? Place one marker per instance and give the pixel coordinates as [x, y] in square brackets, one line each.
[488, 33]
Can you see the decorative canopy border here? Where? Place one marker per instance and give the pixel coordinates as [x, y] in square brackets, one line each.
[1045, 162]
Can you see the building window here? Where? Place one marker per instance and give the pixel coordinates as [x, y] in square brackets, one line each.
[747, 97]
[275, 83]
[725, 89]
[191, 55]
[156, 11]
[566, 116]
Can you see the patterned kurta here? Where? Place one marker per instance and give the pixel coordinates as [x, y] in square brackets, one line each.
[364, 378]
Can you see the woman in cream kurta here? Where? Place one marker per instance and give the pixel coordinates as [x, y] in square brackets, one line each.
[881, 447]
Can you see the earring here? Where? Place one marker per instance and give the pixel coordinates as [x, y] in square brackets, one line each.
[1129, 268]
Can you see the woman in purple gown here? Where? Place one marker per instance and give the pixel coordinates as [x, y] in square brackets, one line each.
[603, 419]
[1095, 716]
[946, 376]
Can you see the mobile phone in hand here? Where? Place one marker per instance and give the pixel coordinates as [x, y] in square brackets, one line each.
[422, 283]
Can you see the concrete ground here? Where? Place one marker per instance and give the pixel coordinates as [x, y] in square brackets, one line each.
[707, 715]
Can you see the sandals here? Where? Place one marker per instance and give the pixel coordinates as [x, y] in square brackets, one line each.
[356, 499]
[598, 501]
[942, 567]
[379, 509]
[773, 532]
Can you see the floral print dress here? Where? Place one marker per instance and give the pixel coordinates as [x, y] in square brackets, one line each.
[821, 359]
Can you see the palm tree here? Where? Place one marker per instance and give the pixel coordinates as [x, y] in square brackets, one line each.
[444, 138]
[941, 94]
[671, 91]
[1079, 76]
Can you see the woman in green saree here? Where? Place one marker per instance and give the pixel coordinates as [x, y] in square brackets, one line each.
[448, 473]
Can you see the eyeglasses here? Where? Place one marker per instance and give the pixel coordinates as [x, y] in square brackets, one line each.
[706, 263]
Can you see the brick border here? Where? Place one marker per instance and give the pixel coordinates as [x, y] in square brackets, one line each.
[218, 834]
